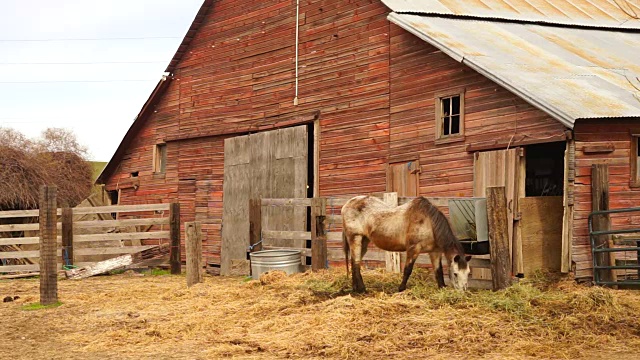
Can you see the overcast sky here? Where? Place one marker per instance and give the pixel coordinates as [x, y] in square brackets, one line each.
[93, 87]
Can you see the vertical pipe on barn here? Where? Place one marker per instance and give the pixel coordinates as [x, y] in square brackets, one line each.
[48, 246]
[67, 236]
[295, 99]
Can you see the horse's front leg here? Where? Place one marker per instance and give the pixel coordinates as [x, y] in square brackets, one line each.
[412, 255]
[436, 261]
[356, 259]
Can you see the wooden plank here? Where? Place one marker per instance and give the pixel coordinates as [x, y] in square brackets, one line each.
[48, 245]
[19, 268]
[174, 238]
[318, 234]
[113, 250]
[286, 202]
[392, 259]
[120, 209]
[286, 235]
[122, 236]
[237, 192]
[20, 241]
[19, 214]
[123, 222]
[567, 211]
[599, 202]
[101, 267]
[18, 276]
[193, 243]
[334, 219]
[255, 225]
[19, 227]
[67, 236]
[498, 237]
[541, 233]
[24, 254]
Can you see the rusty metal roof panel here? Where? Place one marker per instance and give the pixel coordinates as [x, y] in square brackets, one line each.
[590, 13]
[570, 73]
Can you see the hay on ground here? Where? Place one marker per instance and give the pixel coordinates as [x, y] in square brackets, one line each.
[314, 315]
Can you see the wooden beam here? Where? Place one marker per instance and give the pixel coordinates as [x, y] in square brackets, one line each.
[600, 202]
[19, 214]
[255, 224]
[286, 235]
[318, 234]
[48, 244]
[113, 250]
[498, 237]
[503, 144]
[392, 259]
[123, 222]
[119, 209]
[67, 236]
[193, 243]
[286, 202]
[174, 230]
[102, 267]
[122, 236]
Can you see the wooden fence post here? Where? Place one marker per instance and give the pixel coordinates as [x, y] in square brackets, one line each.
[67, 236]
[48, 246]
[174, 230]
[193, 243]
[392, 259]
[255, 224]
[318, 234]
[498, 237]
[600, 202]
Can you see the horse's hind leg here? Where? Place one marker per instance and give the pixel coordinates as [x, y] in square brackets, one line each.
[412, 255]
[356, 245]
[436, 261]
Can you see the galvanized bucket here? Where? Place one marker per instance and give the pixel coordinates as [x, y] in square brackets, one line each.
[287, 260]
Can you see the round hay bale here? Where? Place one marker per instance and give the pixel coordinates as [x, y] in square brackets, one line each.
[272, 277]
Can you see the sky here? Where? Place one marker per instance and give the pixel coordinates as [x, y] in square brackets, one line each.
[65, 64]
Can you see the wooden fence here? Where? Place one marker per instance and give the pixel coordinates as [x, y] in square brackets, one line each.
[23, 238]
[326, 233]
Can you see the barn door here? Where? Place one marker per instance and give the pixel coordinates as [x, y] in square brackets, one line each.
[403, 178]
[270, 164]
[503, 168]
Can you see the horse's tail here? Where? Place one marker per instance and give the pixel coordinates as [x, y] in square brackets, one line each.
[345, 247]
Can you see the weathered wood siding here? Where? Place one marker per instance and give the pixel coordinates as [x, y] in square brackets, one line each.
[372, 82]
[420, 71]
[615, 133]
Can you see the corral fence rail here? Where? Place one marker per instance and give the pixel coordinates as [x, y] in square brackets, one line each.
[154, 228]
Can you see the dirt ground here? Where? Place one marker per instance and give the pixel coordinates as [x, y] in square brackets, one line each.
[134, 316]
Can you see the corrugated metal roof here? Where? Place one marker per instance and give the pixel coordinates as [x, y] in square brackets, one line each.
[570, 73]
[591, 13]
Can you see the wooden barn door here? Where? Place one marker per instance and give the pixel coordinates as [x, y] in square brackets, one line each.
[503, 168]
[270, 164]
[404, 178]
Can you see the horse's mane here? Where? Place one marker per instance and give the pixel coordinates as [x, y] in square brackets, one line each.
[444, 237]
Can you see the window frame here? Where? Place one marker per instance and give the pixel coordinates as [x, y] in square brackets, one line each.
[440, 138]
[634, 158]
[158, 158]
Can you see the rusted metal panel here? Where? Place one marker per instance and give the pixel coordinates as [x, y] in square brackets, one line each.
[589, 13]
[570, 73]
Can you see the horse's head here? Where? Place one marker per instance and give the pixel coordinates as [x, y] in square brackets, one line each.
[459, 272]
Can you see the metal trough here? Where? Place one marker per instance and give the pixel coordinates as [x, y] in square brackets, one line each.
[287, 260]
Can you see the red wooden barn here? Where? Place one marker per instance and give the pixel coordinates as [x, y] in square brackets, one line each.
[286, 98]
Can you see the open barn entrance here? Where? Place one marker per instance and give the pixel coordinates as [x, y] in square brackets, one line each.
[545, 169]
[269, 164]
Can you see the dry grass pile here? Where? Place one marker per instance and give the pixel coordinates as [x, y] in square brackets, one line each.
[316, 316]
[54, 159]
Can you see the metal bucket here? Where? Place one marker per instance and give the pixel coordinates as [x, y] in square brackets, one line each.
[285, 260]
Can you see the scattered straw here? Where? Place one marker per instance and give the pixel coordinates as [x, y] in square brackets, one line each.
[315, 315]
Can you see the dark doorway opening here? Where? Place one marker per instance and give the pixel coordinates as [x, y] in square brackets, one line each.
[545, 169]
[310, 180]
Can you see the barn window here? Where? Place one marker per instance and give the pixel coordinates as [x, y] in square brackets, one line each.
[160, 159]
[635, 160]
[450, 116]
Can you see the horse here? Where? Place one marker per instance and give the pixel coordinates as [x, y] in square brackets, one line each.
[415, 227]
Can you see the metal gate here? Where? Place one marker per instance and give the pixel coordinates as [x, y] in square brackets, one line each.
[620, 241]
